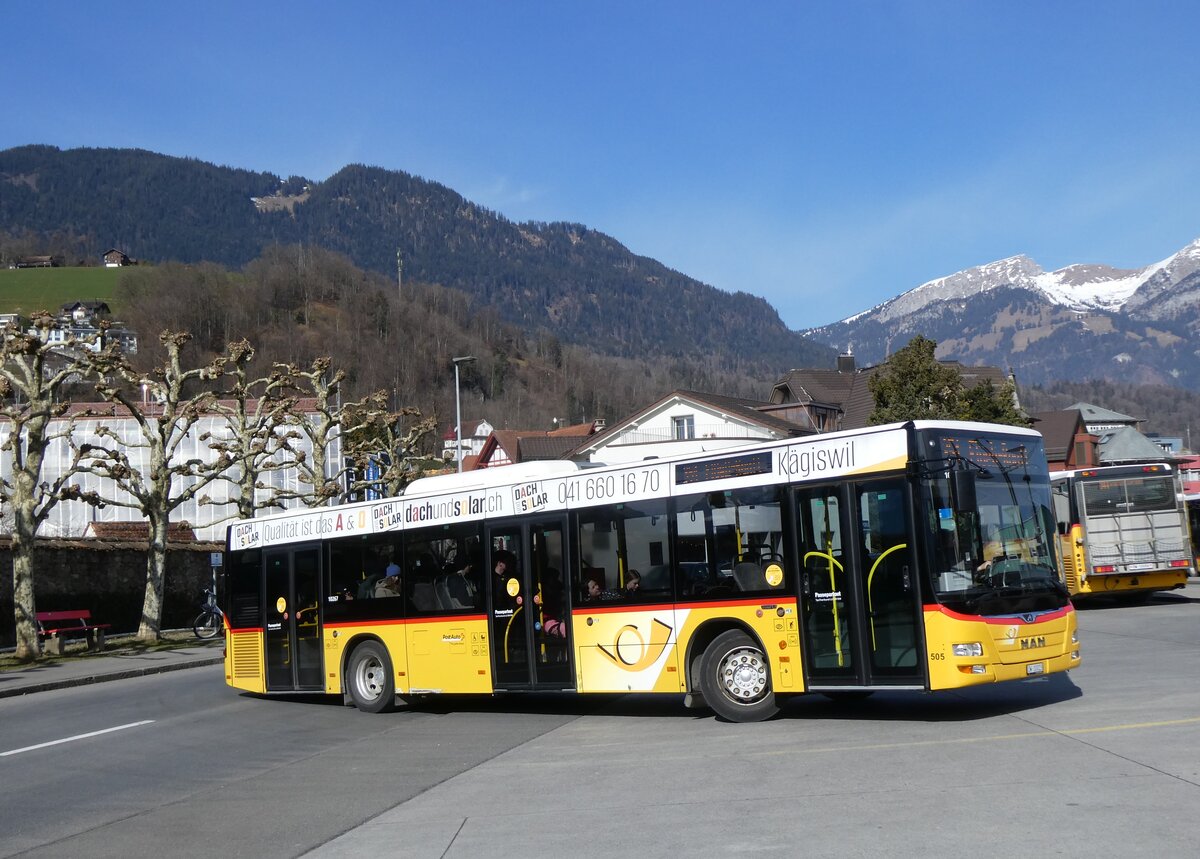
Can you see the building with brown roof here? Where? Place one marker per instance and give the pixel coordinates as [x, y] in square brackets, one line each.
[841, 399]
[1067, 441]
[36, 262]
[505, 447]
[114, 258]
[137, 532]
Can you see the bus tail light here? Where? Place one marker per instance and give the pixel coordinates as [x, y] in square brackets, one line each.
[1104, 568]
[1179, 563]
[972, 649]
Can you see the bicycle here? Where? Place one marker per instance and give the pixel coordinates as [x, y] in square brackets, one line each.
[211, 620]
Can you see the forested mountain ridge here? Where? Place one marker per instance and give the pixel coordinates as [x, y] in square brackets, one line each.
[566, 280]
[135, 200]
[520, 294]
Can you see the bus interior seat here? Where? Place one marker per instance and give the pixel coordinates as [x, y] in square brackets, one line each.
[749, 576]
[366, 588]
[441, 589]
[657, 578]
[423, 596]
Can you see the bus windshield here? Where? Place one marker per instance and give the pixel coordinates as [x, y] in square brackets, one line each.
[991, 530]
[1130, 495]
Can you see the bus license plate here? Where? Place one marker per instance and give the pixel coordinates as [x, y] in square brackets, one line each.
[1035, 668]
[1137, 568]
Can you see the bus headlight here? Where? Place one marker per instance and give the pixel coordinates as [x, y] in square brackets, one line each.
[1074, 636]
[972, 649]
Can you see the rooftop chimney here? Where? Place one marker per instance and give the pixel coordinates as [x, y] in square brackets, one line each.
[845, 362]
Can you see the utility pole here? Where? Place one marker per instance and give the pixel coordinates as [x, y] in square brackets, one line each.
[458, 455]
[399, 274]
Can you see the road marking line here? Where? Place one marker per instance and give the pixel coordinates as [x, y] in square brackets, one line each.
[76, 737]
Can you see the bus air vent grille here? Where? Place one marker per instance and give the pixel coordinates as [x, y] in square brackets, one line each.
[247, 657]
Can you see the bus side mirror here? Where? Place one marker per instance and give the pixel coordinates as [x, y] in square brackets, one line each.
[962, 485]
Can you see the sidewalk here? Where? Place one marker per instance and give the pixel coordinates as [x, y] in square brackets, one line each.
[100, 669]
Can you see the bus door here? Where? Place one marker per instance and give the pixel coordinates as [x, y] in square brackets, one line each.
[291, 618]
[527, 598]
[859, 604]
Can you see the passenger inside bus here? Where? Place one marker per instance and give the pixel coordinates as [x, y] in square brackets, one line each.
[551, 604]
[366, 586]
[461, 584]
[595, 591]
[504, 568]
[388, 586]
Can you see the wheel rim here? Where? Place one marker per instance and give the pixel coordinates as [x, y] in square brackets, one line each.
[743, 676]
[369, 678]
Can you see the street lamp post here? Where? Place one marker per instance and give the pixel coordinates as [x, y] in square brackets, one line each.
[458, 411]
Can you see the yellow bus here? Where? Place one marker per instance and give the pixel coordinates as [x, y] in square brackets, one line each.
[838, 564]
[1124, 530]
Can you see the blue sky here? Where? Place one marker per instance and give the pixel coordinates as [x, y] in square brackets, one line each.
[824, 155]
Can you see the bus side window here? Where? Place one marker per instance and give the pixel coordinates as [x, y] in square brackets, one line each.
[617, 541]
[731, 543]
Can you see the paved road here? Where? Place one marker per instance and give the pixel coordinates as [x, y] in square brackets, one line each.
[1103, 763]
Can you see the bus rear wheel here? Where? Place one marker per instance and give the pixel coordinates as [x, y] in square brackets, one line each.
[736, 679]
[369, 672]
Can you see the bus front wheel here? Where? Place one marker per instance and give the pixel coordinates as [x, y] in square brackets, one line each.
[369, 671]
[736, 679]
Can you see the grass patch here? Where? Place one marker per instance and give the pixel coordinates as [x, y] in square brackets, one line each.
[26, 290]
[75, 650]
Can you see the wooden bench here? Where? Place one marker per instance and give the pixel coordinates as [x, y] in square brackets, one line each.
[55, 626]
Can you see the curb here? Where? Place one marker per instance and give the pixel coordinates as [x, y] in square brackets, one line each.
[124, 674]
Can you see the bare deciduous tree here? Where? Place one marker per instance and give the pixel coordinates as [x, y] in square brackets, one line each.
[162, 426]
[32, 373]
[254, 410]
[391, 441]
[313, 427]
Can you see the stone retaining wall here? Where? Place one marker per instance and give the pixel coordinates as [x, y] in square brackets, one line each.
[109, 579]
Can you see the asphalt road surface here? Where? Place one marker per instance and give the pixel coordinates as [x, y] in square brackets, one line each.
[1104, 762]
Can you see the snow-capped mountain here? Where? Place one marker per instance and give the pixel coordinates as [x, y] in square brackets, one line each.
[1079, 322]
[1077, 287]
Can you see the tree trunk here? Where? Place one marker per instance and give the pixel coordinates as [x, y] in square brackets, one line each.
[156, 574]
[24, 606]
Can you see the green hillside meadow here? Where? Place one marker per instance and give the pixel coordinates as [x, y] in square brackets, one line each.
[25, 290]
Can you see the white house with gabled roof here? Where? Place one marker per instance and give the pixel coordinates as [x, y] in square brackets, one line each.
[684, 422]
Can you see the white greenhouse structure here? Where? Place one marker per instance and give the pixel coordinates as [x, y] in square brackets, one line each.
[70, 519]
